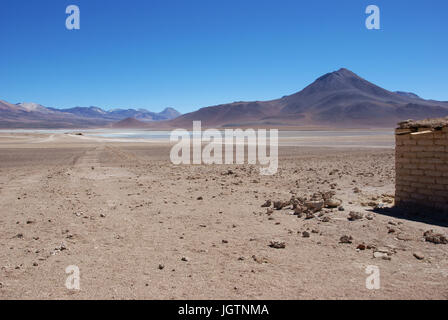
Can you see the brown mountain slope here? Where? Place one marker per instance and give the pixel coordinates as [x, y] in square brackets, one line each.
[338, 99]
[129, 123]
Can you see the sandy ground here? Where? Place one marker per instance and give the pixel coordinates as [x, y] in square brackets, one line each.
[136, 226]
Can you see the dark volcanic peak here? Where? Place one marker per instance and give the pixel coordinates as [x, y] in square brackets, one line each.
[338, 99]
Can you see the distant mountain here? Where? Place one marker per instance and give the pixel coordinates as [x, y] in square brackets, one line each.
[337, 99]
[129, 123]
[120, 114]
[170, 113]
[33, 115]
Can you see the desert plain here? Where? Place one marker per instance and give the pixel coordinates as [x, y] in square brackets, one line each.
[140, 227]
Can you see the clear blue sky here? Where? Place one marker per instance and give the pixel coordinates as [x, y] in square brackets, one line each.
[189, 54]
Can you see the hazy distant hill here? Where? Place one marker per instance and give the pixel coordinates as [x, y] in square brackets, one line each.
[129, 123]
[32, 115]
[341, 99]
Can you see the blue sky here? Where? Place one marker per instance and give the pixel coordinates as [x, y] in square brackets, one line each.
[189, 54]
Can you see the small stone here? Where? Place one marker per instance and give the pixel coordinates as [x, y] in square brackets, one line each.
[361, 246]
[278, 205]
[225, 241]
[326, 219]
[352, 216]
[102, 215]
[305, 234]
[199, 198]
[298, 211]
[277, 244]
[341, 208]
[333, 203]
[314, 206]
[436, 238]
[267, 204]
[309, 215]
[382, 255]
[346, 239]
[161, 267]
[185, 259]
[419, 255]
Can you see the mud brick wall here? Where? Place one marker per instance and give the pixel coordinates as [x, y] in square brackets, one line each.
[422, 168]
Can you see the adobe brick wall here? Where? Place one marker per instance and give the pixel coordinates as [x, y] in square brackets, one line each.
[422, 167]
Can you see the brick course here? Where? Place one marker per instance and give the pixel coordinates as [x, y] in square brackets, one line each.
[422, 168]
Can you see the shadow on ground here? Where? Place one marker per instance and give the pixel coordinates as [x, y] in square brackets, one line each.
[425, 215]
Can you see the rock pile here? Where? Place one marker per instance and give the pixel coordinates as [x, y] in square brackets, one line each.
[307, 206]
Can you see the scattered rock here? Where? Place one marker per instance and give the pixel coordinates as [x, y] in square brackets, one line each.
[436, 238]
[279, 205]
[260, 260]
[314, 206]
[267, 204]
[298, 211]
[333, 203]
[382, 255]
[419, 255]
[277, 244]
[352, 216]
[309, 215]
[346, 239]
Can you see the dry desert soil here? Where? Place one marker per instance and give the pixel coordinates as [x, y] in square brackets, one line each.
[139, 227]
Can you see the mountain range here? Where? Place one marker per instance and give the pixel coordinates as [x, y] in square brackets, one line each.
[32, 115]
[337, 99]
